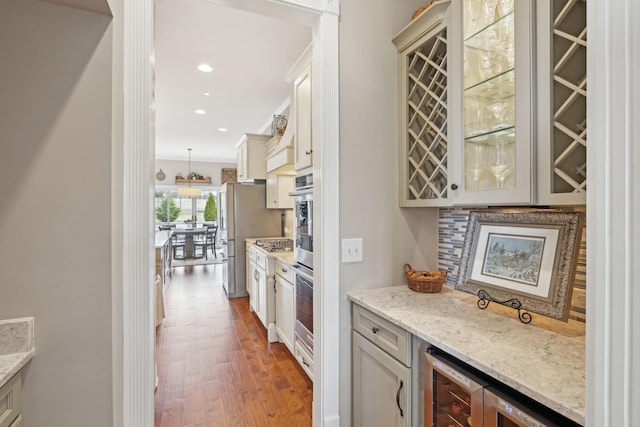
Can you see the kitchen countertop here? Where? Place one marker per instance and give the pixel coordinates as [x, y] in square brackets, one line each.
[546, 362]
[16, 346]
[285, 256]
[161, 238]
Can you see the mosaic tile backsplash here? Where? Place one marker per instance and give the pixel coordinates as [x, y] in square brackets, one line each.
[452, 229]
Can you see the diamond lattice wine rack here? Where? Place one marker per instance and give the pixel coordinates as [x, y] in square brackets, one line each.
[569, 97]
[426, 125]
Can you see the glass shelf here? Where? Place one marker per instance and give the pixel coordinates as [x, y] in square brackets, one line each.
[499, 86]
[506, 134]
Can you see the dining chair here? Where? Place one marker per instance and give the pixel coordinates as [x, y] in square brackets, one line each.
[209, 241]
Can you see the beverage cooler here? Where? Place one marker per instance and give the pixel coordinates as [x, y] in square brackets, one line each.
[456, 397]
[452, 396]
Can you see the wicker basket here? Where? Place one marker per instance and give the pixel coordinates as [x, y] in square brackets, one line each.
[425, 281]
[421, 9]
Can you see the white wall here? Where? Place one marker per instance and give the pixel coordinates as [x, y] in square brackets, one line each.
[55, 171]
[369, 164]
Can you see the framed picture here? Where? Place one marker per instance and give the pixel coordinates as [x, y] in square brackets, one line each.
[530, 255]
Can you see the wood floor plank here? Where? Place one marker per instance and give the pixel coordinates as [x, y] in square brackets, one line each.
[215, 365]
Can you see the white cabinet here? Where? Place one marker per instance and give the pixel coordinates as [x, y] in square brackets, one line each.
[262, 294]
[11, 402]
[381, 372]
[302, 113]
[278, 188]
[562, 110]
[251, 157]
[423, 49]
[285, 304]
[486, 120]
[491, 88]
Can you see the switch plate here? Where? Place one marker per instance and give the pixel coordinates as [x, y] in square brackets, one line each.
[351, 250]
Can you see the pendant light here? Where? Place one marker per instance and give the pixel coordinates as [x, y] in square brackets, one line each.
[188, 191]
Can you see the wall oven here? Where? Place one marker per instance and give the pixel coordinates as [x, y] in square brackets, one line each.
[303, 221]
[303, 328]
[458, 395]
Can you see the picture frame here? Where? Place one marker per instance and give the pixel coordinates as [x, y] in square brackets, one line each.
[530, 255]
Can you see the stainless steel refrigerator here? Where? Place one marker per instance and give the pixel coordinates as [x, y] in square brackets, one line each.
[242, 214]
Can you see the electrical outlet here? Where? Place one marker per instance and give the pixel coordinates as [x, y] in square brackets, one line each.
[351, 250]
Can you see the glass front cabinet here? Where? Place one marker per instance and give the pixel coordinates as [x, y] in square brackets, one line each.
[492, 104]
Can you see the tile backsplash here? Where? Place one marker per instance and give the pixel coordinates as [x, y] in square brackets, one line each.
[451, 233]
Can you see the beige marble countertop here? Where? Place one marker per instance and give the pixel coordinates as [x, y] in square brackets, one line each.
[544, 360]
[16, 346]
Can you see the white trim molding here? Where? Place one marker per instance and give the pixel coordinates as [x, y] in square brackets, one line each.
[137, 277]
[326, 171]
[613, 209]
[137, 234]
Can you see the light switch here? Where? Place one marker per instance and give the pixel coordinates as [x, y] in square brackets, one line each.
[351, 250]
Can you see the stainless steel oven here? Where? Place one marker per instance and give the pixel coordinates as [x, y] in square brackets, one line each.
[304, 306]
[303, 221]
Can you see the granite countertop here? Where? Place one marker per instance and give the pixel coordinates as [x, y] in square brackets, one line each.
[16, 346]
[545, 362]
[286, 257]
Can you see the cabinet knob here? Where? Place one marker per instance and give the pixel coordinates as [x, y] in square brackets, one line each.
[375, 330]
[308, 153]
[454, 186]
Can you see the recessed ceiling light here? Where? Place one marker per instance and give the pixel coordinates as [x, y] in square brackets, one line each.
[205, 68]
[222, 129]
[200, 111]
[207, 93]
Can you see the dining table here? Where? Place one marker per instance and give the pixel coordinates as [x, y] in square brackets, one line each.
[190, 235]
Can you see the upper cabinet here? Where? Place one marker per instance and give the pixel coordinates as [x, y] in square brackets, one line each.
[562, 106]
[251, 157]
[424, 49]
[470, 82]
[301, 111]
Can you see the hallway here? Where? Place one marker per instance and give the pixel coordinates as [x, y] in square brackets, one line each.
[215, 365]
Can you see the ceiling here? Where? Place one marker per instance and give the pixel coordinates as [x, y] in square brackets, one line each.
[251, 55]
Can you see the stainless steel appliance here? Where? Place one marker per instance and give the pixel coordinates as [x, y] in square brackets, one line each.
[303, 328]
[303, 221]
[243, 214]
[457, 395]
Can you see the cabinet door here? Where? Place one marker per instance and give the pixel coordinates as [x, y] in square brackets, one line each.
[242, 162]
[424, 134]
[492, 155]
[303, 151]
[254, 295]
[260, 279]
[278, 188]
[285, 311]
[381, 387]
[562, 102]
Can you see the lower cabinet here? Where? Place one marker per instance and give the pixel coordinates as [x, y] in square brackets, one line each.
[381, 380]
[11, 402]
[285, 304]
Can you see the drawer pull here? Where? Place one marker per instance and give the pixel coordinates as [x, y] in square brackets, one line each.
[375, 330]
[398, 398]
[305, 363]
[284, 270]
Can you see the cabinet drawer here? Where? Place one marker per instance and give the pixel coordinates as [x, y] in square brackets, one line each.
[11, 401]
[251, 252]
[284, 270]
[389, 337]
[304, 358]
[261, 260]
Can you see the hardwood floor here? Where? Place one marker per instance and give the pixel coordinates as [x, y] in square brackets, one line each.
[215, 365]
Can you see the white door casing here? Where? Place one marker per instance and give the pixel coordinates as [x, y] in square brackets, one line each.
[136, 335]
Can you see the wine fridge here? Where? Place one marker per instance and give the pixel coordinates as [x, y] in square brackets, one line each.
[452, 396]
[459, 396]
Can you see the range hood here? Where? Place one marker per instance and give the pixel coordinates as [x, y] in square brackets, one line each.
[280, 153]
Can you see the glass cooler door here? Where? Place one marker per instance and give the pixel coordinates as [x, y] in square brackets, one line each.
[452, 396]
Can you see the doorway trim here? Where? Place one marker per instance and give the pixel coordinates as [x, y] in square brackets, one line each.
[134, 406]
